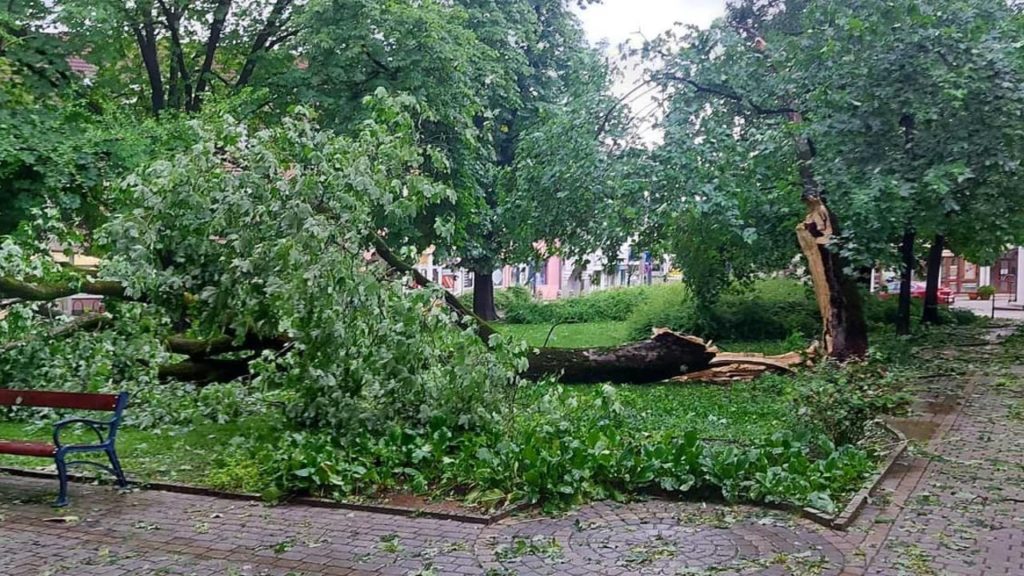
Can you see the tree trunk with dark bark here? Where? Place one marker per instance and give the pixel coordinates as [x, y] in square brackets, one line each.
[483, 296]
[665, 355]
[906, 277]
[931, 293]
[844, 330]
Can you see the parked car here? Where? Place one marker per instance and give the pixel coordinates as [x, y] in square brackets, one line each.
[917, 290]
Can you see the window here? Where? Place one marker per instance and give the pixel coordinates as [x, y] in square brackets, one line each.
[542, 274]
[467, 279]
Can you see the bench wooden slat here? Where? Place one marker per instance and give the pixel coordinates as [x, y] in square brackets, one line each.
[41, 449]
[49, 399]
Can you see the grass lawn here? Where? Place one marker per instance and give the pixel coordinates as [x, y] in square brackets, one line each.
[597, 334]
[570, 335]
[738, 412]
[186, 456]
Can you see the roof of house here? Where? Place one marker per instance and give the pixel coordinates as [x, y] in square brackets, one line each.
[82, 67]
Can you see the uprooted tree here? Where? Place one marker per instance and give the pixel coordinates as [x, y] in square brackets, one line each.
[274, 263]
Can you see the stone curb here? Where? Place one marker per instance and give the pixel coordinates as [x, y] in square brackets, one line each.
[483, 519]
[844, 519]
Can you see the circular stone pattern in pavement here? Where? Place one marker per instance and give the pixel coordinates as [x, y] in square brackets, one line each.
[657, 537]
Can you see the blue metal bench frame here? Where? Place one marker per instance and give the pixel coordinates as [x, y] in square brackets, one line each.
[104, 444]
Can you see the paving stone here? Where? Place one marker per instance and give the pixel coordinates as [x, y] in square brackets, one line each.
[956, 513]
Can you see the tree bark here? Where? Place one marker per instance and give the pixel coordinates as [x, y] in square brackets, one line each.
[665, 355]
[906, 277]
[271, 27]
[220, 15]
[483, 296]
[844, 329]
[931, 293]
[172, 19]
[14, 288]
[205, 370]
[145, 38]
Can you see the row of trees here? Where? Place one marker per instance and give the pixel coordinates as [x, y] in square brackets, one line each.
[895, 124]
[487, 128]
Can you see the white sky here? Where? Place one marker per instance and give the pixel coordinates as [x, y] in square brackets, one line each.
[617, 21]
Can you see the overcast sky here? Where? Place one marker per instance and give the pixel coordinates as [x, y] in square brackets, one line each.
[619, 20]
[616, 21]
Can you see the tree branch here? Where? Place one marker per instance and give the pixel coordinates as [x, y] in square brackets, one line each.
[728, 94]
[87, 322]
[14, 288]
[173, 20]
[271, 28]
[196, 348]
[484, 329]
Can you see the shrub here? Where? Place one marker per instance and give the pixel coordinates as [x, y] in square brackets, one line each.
[882, 312]
[842, 402]
[770, 309]
[602, 306]
[670, 306]
[986, 292]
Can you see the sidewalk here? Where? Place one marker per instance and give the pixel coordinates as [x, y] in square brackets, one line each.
[1004, 308]
[957, 507]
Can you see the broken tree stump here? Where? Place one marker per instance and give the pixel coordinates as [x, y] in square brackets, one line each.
[664, 355]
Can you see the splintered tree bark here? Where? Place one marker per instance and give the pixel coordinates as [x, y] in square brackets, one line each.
[844, 331]
[931, 292]
[665, 355]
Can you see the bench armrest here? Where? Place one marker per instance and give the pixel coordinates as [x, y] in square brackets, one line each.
[97, 426]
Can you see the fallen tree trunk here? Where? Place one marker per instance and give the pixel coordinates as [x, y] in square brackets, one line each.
[665, 355]
[45, 291]
[205, 370]
[88, 322]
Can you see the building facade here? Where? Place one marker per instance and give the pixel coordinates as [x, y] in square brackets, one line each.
[964, 277]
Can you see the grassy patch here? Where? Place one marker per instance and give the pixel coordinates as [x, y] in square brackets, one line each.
[570, 335]
[743, 411]
[187, 456]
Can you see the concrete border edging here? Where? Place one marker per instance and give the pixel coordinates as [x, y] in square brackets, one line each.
[853, 508]
[174, 487]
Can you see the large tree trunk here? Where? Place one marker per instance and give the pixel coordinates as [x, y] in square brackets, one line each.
[665, 355]
[906, 277]
[483, 296]
[931, 293]
[844, 331]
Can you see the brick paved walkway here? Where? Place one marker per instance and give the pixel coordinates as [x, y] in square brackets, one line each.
[956, 507]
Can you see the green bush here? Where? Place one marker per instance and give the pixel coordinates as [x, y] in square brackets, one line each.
[670, 306]
[770, 309]
[602, 306]
[881, 312]
[842, 402]
[562, 450]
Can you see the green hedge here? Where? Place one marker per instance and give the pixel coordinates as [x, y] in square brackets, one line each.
[768, 309]
[880, 313]
[771, 309]
[604, 306]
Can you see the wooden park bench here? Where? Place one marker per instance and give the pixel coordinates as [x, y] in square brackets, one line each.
[106, 431]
